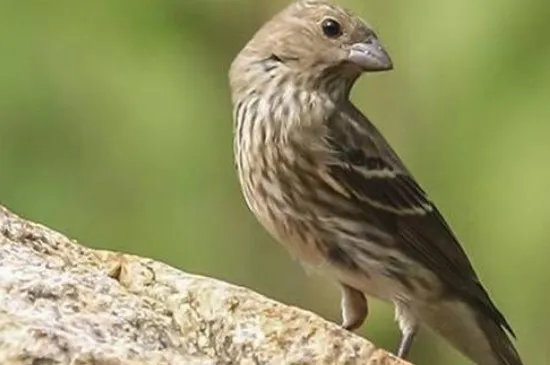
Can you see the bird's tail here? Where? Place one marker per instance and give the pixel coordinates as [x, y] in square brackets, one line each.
[501, 344]
[477, 336]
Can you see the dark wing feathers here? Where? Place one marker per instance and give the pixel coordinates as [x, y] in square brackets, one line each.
[375, 182]
[373, 175]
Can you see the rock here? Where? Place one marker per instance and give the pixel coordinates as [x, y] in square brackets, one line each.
[63, 303]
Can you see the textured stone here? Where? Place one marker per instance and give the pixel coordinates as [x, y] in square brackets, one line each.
[63, 303]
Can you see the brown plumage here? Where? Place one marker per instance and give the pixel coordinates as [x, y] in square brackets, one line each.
[326, 184]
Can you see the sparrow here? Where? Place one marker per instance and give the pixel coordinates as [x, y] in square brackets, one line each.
[326, 184]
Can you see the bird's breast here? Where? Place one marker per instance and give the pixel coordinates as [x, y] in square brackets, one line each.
[278, 185]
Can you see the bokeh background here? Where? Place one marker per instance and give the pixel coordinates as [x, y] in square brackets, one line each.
[115, 128]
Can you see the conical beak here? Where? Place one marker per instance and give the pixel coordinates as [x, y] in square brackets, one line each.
[370, 56]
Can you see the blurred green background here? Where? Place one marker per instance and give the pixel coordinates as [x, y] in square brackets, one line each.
[115, 128]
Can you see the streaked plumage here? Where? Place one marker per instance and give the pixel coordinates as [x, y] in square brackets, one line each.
[326, 184]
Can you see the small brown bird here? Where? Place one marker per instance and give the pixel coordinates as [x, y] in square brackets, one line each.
[326, 184]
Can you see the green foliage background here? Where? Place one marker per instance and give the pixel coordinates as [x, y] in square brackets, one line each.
[115, 128]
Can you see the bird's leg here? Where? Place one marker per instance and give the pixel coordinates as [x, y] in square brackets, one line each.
[409, 328]
[406, 343]
[354, 308]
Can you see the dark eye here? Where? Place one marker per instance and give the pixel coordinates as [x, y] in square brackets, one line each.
[331, 28]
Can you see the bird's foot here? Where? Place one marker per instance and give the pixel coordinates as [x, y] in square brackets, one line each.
[408, 325]
[354, 308]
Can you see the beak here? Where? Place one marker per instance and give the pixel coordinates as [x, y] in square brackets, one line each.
[370, 56]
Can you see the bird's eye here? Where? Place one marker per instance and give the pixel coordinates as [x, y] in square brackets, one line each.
[331, 28]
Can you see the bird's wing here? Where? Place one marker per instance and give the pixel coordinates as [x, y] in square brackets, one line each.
[373, 175]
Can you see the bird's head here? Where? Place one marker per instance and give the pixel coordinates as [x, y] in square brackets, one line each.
[314, 43]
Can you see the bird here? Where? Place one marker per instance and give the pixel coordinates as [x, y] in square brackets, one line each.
[326, 184]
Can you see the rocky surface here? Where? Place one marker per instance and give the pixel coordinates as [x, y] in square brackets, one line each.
[63, 303]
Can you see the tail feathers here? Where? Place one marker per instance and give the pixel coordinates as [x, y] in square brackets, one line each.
[500, 342]
[477, 336]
